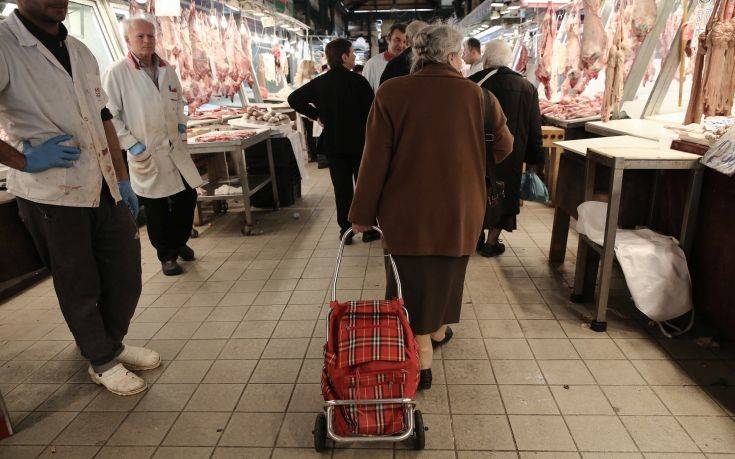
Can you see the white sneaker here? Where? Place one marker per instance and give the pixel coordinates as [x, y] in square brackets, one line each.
[139, 358]
[119, 380]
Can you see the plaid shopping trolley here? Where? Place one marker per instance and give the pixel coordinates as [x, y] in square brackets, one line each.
[371, 371]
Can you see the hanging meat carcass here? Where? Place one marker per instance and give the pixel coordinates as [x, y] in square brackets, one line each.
[546, 48]
[522, 60]
[201, 66]
[615, 72]
[713, 80]
[170, 44]
[643, 15]
[247, 63]
[594, 40]
[574, 81]
[233, 51]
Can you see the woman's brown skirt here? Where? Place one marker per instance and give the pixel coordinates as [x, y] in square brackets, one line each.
[432, 289]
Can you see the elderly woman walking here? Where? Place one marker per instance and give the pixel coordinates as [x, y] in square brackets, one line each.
[423, 178]
[519, 100]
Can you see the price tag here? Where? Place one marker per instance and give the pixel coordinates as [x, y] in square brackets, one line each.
[721, 155]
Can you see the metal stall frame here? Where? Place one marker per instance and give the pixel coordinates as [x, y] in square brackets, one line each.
[236, 150]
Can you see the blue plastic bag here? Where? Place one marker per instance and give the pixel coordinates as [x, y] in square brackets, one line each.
[533, 189]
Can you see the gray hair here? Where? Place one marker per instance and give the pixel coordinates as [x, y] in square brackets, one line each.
[413, 28]
[434, 44]
[127, 24]
[497, 54]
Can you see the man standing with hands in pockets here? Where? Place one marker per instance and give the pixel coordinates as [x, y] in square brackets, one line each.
[73, 192]
[148, 109]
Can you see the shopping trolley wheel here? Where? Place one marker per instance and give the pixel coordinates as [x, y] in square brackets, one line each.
[419, 431]
[320, 433]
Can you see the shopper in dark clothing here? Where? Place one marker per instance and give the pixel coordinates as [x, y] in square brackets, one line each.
[340, 100]
[401, 64]
[519, 100]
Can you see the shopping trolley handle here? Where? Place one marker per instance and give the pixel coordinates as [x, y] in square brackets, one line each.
[346, 234]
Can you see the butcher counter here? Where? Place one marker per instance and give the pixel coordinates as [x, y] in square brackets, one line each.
[712, 260]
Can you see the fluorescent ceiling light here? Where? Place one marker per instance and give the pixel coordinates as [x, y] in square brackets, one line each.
[395, 10]
[233, 8]
[497, 5]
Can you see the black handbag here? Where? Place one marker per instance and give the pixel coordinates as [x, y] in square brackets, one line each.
[495, 188]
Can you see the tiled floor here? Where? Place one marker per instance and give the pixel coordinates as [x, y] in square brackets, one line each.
[240, 335]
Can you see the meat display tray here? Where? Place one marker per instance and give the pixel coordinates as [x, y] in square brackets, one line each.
[567, 124]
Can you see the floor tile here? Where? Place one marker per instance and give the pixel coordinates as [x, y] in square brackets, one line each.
[203, 349]
[276, 371]
[468, 372]
[482, 432]
[598, 349]
[541, 329]
[142, 429]
[215, 397]
[183, 452]
[634, 400]
[269, 398]
[581, 400]
[528, 400]
[566, 372]
[230, 371]
[712, 435]
[39, 428]
[614, 373]
[517, 372]
[541, 433]
[599, 433]
[197, 429]
[500, 329]
[126, 452]
[475, 399]
[687, 400]
[252, 429]
[461, 349]
[658, 434]
[185, 371]
[662, 372]
[553, 349]
[508, 349]
[90, 429]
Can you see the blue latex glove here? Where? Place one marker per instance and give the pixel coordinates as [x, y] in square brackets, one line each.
[137, 149]
[182, 128]
[49, 154]
[129, 197]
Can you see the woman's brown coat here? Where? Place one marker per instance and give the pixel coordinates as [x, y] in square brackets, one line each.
[423, 168]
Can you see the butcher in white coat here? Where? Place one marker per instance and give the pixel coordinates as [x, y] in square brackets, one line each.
[148, 109]
[375, 66]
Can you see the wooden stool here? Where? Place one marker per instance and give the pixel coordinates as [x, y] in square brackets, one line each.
[549, 135]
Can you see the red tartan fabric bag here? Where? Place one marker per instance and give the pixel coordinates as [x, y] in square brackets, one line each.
[370, 354]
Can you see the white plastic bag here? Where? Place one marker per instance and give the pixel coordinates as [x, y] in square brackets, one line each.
[654, 265]
[656, 272]
[591, 216]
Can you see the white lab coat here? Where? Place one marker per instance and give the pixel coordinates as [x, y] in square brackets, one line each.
[373, 70]
[150, 115]
[39, 101]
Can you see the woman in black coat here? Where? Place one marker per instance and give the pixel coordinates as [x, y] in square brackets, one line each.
[519, 100]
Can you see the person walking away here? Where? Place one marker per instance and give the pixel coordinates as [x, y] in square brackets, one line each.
[472, 56]
[519, 99]
[429, 203]
[148, 108]
[401, 64]
[340, 100]
[375, 66]
[72, 188]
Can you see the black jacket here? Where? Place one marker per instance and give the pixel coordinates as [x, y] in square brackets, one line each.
[341, 99]
[398, 66]
[519, 100]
